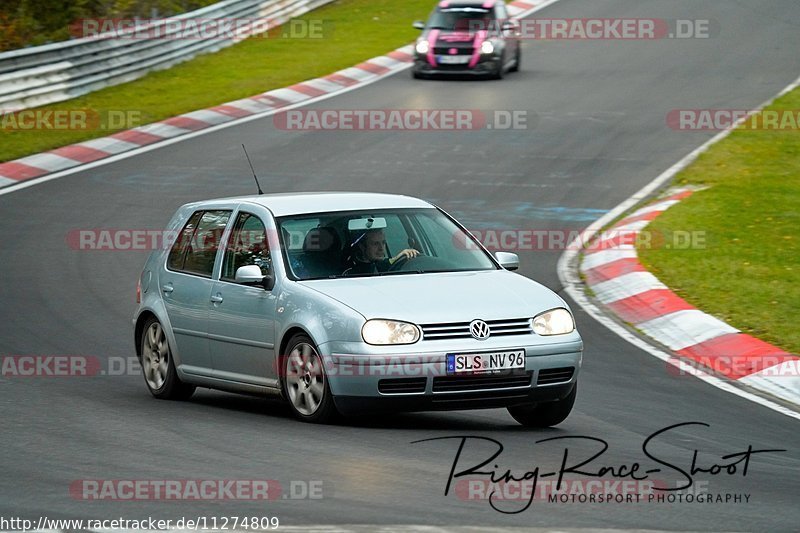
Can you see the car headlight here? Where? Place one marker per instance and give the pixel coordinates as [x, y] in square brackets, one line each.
[382, 332]
[423, 47]
[487, 47]
[554, 322]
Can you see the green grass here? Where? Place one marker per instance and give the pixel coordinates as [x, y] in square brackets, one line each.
[748, 274]
[361, 29]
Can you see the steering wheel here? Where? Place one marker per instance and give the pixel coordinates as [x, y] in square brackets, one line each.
[402, 262]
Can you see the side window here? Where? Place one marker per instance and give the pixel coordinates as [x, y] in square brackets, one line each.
[247, 245]
[396, 235]
[177, 254]
[203, 246]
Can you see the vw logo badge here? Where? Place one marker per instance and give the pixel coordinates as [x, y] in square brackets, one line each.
[479, 329]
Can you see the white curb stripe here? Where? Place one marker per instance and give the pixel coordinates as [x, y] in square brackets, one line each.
[782, 380]
[633, 227]
[208, 116]
[386, 61]
[596, 259]
[159, 129]
[626, 286]
[358, 74]
[110, 145]
[289, 95]
[658, 206]
[324, 85]
[683, 329]
[47, 161]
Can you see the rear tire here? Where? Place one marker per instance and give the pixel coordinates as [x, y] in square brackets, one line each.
[543, 415]
[158, 366]
[305, 384]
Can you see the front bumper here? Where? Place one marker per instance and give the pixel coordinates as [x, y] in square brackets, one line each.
[486, 65]
[363, 383]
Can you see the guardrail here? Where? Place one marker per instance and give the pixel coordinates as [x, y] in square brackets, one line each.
[41, 75]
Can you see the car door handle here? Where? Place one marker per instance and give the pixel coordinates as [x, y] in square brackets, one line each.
[216, 299]
[167, 288]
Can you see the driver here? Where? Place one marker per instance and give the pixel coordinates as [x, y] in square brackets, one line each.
[370, 253]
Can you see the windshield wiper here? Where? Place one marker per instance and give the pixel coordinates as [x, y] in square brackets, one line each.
[394, 272]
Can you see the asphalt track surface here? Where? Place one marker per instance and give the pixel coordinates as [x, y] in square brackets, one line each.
[598, 136]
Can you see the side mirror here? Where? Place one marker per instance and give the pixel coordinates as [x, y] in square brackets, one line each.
[251, 275]
[507, 260]
[418, 24]
[510, 28]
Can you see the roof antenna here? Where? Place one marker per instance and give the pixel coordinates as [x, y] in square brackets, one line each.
[251, 168]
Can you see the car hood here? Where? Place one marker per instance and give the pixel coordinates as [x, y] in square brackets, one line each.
[441, 297]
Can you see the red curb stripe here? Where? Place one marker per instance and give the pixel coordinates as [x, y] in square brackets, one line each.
[617, 239]
[649, 305]
[137, 137]
[341, 80]
[678, 196]
[231, 111]
[736, 355]
[307, 89]
[372, 67]
[84, 154]
[186, 123]
[401, 56]
[614, 269]
[20, 171]
[523, 5]
[638, 218]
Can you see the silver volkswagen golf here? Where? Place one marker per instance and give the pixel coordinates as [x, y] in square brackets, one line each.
[346, 303]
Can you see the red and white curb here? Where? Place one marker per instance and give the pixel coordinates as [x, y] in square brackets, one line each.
[698, 340]
[67, 157]
[75, 155]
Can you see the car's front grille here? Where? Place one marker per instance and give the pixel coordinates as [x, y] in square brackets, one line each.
[548, 376]
[445, 50]
[460, 330]
[476, 383]
[402, 385]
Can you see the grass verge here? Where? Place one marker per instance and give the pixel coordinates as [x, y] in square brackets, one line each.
[352, 31]
[748, 272]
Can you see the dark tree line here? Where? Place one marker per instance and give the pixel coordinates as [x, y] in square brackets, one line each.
[34, 22]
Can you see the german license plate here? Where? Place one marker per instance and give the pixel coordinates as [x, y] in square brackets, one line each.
[485, 363]
[453, 60]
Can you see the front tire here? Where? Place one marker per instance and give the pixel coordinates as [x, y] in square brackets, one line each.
[499, 72]
[305, 384]
[517, 60]
[543, 415]
[158, 366]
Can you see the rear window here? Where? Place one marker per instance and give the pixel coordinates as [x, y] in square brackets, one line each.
[195, 250]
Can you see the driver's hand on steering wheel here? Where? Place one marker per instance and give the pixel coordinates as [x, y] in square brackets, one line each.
[408, 253]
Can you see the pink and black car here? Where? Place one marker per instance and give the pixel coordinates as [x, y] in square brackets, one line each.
[467, 37]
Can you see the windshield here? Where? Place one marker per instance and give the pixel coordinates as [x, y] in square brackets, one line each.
[461, 19]
[377, 243]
